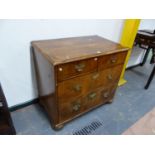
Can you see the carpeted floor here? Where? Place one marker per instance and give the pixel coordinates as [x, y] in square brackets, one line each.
[131, 102]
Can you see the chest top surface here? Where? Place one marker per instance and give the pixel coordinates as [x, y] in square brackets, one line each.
[59, 51]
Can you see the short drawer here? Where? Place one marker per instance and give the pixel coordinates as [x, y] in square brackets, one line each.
[111, 60]
[68, 70]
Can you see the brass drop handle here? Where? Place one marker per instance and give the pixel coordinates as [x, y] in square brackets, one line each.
[76, 106]
[92, 96]
[109, 77]
[95, 76]
[80, 67]
[113, 60]
[106, 95]
[77, 87]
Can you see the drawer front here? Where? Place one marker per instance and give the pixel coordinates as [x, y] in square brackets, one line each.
[108, 93]
[79, 86]
[72, 88]
[111, 60]
[105, 78]
[100, 96]
[112, 75]
[71, 109]
[68, 70]
[91, 99]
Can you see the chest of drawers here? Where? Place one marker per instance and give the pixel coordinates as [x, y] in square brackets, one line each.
[75, 75]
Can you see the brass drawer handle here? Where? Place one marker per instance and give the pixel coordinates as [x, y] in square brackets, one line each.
[109, 77]
[113, 60]
[95, 76]
[106, 95]
[77, 87]
[76, 105]
[92, 96]
[80, 67]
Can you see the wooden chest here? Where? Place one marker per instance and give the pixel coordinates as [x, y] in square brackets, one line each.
[75, 75]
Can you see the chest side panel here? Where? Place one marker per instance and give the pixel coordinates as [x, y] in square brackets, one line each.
[46, 85]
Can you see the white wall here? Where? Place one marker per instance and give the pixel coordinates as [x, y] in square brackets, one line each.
[15, 37]
[136, 57]
[147, 24]
[138, 53]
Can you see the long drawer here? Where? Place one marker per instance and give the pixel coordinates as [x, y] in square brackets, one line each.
[72, 88]
[84, 103]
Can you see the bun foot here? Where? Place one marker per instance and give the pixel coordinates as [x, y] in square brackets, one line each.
[110, 101]
[58, 127]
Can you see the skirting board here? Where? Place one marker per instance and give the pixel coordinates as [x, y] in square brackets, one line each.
[133, 66]
[22, 105]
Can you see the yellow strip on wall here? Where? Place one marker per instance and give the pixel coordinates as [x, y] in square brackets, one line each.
[127, 39]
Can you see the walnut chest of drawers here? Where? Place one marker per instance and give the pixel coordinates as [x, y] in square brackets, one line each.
[75, 75]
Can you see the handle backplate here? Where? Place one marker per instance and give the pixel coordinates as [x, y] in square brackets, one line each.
[80, 67]
[92, 96]
[77, 88]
